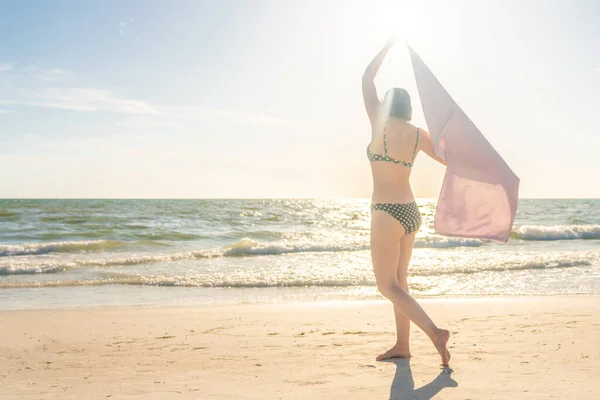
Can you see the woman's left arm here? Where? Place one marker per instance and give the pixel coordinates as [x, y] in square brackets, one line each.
[426, 144]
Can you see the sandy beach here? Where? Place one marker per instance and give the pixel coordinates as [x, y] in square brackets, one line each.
[503, 347]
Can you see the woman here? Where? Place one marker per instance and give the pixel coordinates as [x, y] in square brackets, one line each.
[395, 217]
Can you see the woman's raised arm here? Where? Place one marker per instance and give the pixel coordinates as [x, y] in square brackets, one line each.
[368, 85]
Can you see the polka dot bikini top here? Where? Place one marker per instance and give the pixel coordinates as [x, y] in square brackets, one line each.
[378, 157]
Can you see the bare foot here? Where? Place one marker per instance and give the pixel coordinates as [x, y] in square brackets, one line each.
[394, 352]
[440, 342]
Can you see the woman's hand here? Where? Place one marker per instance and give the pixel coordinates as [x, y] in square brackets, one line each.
[427, 146]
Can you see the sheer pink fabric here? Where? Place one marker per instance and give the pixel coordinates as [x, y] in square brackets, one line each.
[479, 196]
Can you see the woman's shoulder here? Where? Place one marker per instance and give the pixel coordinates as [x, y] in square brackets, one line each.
[422, 132]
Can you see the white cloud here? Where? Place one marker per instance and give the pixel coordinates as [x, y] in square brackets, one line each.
[35, 72]
[189, 117]
[6, 111]
[48, 74]
[150, 122]
[232, 116]
[83, 99]
[246, 117]
[147, 115]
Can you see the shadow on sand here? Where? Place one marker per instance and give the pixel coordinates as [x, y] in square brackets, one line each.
[403, 385]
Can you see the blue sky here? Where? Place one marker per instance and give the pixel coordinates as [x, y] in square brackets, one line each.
[262, 98]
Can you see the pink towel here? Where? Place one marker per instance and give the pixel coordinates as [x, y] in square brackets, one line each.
[479, 195]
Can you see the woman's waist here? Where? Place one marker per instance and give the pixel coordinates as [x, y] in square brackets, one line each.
[395, 194]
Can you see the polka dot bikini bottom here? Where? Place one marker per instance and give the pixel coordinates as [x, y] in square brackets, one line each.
[407, 214]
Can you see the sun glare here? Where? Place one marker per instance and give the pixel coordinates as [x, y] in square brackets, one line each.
[419, 23]
[397, 20]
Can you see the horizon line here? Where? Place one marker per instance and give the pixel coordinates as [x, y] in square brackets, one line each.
[258, 198]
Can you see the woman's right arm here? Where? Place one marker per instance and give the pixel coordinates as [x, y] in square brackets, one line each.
[428, 147]
[368, 85]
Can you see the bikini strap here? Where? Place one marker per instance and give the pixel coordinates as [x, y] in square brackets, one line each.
[416, 145]
[384, 140]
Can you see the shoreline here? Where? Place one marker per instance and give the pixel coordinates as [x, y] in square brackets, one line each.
[300, 297]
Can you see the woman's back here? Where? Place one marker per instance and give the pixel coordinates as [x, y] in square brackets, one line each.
[392, 151]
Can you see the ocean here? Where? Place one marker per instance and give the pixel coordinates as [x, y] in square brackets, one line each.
[68, 253]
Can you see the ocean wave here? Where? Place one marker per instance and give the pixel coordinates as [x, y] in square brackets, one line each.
[8, 214]
[37, 248]
[243, 248]
[258, 281]
[31, 269]
[183, 281]
[65, 219]
[556, 232]
[146, 259]
[515, 266]
[248, 248]
[153, 234]
[446, 242]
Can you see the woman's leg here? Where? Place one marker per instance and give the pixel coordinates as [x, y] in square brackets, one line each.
[386, 233]
[402, 348]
